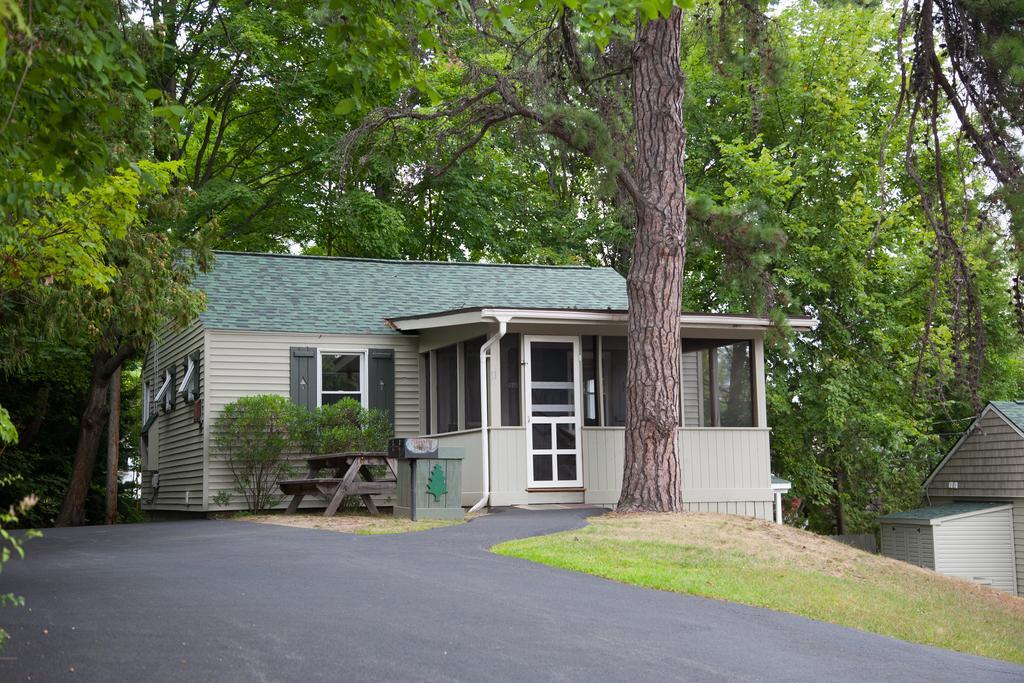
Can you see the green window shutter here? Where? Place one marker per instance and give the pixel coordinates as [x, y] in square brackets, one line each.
[302, 380]
[382, 381]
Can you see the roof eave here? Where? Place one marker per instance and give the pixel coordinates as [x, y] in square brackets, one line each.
[583, 317]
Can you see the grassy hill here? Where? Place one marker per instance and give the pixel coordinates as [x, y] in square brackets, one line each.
[756, 563]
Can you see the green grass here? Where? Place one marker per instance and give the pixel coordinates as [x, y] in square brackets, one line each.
[788, 570]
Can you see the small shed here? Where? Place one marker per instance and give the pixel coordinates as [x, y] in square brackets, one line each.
[969, 540]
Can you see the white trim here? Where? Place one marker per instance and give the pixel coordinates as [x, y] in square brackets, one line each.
[528, 315]
[146, 399]
[938, 521]
[485, 354]
[576, 419]
[363, 379]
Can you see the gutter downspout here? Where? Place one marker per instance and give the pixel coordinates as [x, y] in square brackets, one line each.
[485, 450]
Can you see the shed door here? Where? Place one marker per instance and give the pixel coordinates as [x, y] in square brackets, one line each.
[553, 412]
[978, 548]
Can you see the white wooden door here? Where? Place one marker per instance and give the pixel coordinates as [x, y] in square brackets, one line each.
[553, 415]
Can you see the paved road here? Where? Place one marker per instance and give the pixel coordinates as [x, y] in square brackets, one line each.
[224, 601]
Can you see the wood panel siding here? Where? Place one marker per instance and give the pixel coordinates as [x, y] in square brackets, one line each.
[603, 451]
[911, 543]
[175, 438]
[978, 548]
[507, 450]
[989, 461]
[245, 363]
[724, 470]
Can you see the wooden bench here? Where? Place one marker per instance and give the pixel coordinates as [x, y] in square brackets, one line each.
[344, 480]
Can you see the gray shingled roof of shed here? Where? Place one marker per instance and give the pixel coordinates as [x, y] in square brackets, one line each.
[286, 293]
[1012, 411]
[940, 511]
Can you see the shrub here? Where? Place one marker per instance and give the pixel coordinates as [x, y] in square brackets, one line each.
[346, 426]
[253, 434]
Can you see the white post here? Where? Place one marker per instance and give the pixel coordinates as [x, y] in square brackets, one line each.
[778, 507]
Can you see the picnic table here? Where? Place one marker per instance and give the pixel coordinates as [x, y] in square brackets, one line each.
[347, 474]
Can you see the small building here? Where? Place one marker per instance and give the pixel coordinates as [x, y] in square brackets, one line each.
[973, 541]
[974, 525]
[523, 366]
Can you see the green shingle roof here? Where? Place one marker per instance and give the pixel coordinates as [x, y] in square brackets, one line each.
[1012, 411]
[285, 293]
[940, 511]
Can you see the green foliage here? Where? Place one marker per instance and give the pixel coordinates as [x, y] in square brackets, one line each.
[256, 435]
[8, 433]
[252, 435]
[65, 69]
[13, 544]
[341, 427]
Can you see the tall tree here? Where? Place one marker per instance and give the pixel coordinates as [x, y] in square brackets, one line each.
[147, 283]
[605, 83]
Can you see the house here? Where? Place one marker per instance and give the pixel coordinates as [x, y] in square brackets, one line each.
[522, 366]
[973, 526]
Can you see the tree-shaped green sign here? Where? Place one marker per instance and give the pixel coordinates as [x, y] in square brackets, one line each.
[436, 484]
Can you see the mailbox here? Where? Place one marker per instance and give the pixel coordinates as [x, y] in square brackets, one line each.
[411, 449]
[429, 479]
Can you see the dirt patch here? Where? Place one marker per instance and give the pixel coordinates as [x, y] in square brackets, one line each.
[350, 523]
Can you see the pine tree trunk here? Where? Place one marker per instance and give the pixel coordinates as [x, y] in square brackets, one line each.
[90, 432]
[651, 478]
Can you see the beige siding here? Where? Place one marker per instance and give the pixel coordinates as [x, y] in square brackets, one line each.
[912, 543]
[988, 462]
[176, 438]
[724, 470]
[755, 508]
[508, 465]
[603, 449]
[245, 363]
[977, 548]
[1018, 542]
[471, 443]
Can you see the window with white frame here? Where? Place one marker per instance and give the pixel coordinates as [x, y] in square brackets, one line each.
[342, 375]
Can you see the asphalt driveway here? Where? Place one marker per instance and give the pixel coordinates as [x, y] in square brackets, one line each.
[225, 601]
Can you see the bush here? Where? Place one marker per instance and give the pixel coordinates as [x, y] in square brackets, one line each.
[347, 426]
[256, 434]
[253, 433]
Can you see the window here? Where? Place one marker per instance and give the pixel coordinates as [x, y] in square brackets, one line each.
[427, 399]
[588, 349]
[613, 380]
[342, 375]
[511, 369]
[471, 365]
[447, 362]
[718, 382]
